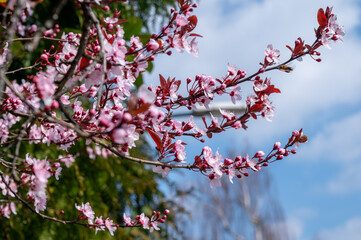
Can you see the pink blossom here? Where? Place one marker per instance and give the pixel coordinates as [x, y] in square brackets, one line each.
[252, 163]
[161, 169]
[227, 114]
[214, 162]
[145, 95]
[231, 69]
[191, 47]
[127, 220]
[57, 173]
[125, 134]
[324, 40]
[87, 211]
[154, 226]
[215, 180]
[100, 224]
[110, 226]
[4, 52]
[152, 45]
[180, 153]
[272, 55]
[231, 173]
[45, 84]
[181, 20]
[144, 221]
[35, 133]
[10, 183]
[110, 20]
[136, 43]
[4, 131]
[67, 160]
[235, 94]
[207, 83]
[5, 211]
[39, 181]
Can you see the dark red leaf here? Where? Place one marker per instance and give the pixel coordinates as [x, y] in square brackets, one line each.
[162, 81]
[321, 18]
[132, 103]
[256, 108]
[155, 138]
[84, 62]
[191, 25]
[254, 115]
[142, 108]
[195, 35]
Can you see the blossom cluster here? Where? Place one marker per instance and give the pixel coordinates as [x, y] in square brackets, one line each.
[84, 88]
[86, 212]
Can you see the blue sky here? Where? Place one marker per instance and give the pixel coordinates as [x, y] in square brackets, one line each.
[320, 187]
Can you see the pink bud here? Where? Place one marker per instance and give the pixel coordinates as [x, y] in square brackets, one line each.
[127, 117]
[295, 133]
[259, 154]
[281, 151]
[276, 146]
[54, 104]
[228, 161]
[44, 57]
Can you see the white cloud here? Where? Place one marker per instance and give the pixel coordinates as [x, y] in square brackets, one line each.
[295, 228]
[350, 230]
[337, 142]
[347, 181]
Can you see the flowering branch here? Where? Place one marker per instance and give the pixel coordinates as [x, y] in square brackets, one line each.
[83, 88]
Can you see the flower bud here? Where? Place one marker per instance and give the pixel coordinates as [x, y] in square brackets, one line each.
[276, 146]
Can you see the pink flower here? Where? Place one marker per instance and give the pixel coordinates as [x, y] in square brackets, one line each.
[227, 114]
[67, 160]
[99, 221]
[35, 133]
[125, 134]
[272, 55]
[180, 153]
[110, 226]
[207, 83]
[235, 94]
[324, 40]
[152, 45]
[127, 220]
[144, 221]
[231, 69]
[161, 169]
[181, 20]
[191, 47]
[4, 52]
[215, 182]
[146, 95]
[231, 173]
[4, 131]
[154, 226]
[87, 211]
[136, 43]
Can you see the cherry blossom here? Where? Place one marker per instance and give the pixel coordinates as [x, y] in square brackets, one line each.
[272, 55]
[84, 89]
